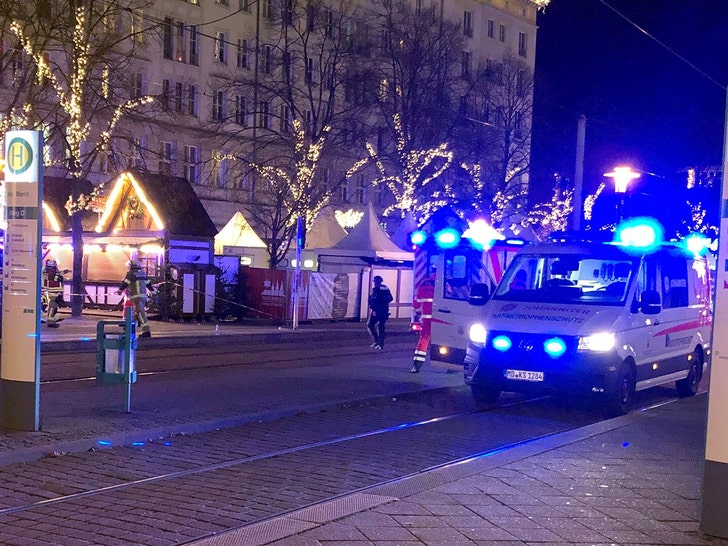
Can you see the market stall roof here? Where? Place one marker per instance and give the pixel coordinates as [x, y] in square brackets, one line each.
[368, 240]
[325, 231]
[237, 232]
[170, 201]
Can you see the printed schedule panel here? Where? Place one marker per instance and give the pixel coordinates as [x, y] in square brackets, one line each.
[20, 358]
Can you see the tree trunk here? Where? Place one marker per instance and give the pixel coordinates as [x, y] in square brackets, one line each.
[77, 290]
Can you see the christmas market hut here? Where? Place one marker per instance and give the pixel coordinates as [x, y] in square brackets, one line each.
[154, 219]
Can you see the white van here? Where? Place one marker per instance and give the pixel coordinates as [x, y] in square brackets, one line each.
[582, 318]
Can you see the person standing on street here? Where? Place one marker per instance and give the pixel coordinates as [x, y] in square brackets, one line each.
[136, 283]
[379, 301]
[52, 292]
[424, 298]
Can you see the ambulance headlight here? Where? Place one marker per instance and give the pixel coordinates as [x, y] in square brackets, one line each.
[600, 343]
[478, 333]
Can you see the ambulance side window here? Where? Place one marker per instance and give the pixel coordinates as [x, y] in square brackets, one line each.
[456, 277]
[674, 282]
[647, 277]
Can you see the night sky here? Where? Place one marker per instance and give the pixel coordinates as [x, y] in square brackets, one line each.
[644, 106]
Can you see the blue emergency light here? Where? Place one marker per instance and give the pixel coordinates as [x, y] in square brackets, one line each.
[639, 235]
[554, 347]
[418, 237]
[447, 238]
[502, 343]
[696, 243]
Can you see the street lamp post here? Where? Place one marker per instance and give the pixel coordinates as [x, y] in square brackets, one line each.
[622, 177]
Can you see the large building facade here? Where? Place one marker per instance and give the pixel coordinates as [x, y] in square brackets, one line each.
[229, 77]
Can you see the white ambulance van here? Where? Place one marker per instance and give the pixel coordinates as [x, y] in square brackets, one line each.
[580, 317]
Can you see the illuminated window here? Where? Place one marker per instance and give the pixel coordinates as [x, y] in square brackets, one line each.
[180, 53]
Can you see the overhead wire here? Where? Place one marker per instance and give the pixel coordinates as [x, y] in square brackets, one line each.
[664, 45]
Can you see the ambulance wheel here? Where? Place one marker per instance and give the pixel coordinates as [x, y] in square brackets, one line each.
[689, 386]
[485, 394]
[620, 400]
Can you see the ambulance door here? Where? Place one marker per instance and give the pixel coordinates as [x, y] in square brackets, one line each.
[458, 269]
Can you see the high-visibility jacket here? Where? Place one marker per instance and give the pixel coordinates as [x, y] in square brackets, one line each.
[136, 284]
[52, 281]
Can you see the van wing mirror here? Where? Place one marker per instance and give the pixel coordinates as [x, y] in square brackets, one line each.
[479, 294]
[650, 302]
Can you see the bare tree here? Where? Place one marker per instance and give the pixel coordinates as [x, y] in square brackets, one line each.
[291, 121]
[83, 57]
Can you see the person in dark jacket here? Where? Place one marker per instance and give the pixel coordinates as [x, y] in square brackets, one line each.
[379, 301]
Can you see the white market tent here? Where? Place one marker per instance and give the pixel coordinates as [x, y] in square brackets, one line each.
[367, 241]
[325, 231]
[237, 233]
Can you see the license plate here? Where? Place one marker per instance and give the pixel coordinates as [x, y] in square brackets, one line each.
[524, 375]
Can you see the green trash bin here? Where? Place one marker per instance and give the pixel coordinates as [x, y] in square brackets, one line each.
[116, 345]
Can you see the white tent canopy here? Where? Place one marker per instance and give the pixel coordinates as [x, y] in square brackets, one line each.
[325, 231]
[368, 240]
[237, 232]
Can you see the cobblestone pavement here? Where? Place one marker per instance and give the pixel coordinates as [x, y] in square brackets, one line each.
[631, 480]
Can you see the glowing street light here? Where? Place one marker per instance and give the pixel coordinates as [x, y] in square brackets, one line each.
[622, 177]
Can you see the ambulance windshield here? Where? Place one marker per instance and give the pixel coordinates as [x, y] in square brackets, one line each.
[568, 278]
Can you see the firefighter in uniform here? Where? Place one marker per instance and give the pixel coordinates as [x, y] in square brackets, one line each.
[424, 298]
[136, 283]
[52, 292]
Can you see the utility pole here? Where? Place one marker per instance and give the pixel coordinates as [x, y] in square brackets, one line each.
[579, 172]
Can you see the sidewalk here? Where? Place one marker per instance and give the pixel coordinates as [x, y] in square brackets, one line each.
[631, 480]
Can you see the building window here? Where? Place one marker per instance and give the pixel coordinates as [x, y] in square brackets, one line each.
[267, 8]
[502, 33]
[289, 11]
[468, 23]
[241, 110]
[178, 97]
[192, 164]
[166, 99]
[137, 88]
[220, 47]
[518, 125]
[218, 105]
[219, 169]
[244, 5]
[467, 61]
[167, 38]
[267, 59]
[264, 120]
[135, 159]
[491, 28]
[329, 22]
[192, 100]
[166, 158]
[310, 18]
[360, 190]
[309, 70]
[522, 44]
[418, 7]
[308, 122]
[181, 54]
[243, 53]
[194, 45]
[285, 119]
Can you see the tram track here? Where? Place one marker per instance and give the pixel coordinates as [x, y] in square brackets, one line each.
[226, 492]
